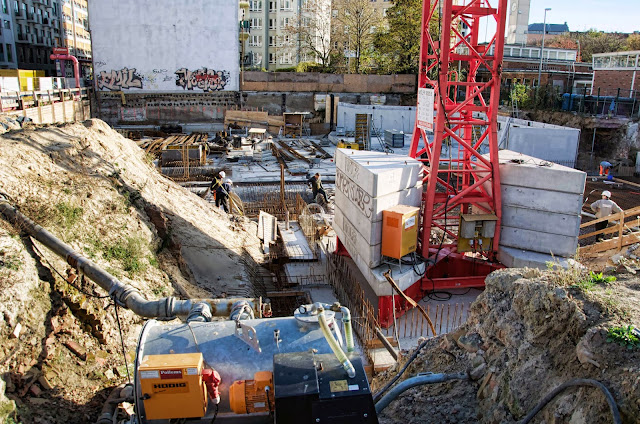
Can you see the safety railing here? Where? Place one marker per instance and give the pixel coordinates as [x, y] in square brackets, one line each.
[625, 231]
[20, 100]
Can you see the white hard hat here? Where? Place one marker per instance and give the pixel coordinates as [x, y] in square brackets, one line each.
[229, 181]
[606, 193]
[222, 174]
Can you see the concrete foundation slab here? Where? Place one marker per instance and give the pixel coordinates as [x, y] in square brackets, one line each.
[536, 241]
[518, 258]
[374, 173]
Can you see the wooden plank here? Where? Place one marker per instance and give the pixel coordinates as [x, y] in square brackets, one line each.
[611, 244]
[293, 151]
[289, 293]
[319, 148]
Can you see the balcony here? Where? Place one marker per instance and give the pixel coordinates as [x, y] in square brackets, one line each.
[23, 38]
[31, 17]
[20, 15]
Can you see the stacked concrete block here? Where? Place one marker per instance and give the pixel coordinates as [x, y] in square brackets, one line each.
[541, 206]
[366, 184]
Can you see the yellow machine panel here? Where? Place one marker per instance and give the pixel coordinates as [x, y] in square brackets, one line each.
[172, 386]
[476, 232]
[399, 231]
[352, 146]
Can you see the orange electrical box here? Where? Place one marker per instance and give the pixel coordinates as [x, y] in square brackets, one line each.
[399, 231]
[172, 386]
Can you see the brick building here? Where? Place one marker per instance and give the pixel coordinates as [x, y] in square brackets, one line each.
[559, 68]
[616, 74]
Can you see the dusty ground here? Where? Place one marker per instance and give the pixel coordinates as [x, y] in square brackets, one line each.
[529, 332]
[97, 191]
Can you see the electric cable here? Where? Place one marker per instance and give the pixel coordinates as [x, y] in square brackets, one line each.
[124, 353]
[413, 356]
[215, 414]
[576, 382]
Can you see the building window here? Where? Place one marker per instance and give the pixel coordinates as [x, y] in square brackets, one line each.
[285, 59]
[16, 9]
[273, 6]
[9, 53]
[255, 41]
[1, 53]
[284, 22]
[272, 58]
[272, 40]
[334, 13]
[257, 58]
[4, 6]
[273, 23]
[255, 5]
[256, 23]
[285, 5]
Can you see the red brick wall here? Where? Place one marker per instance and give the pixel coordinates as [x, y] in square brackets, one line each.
[610, 80]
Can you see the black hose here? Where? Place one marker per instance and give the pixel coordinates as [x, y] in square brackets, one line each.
[413, 356]
[577, 382]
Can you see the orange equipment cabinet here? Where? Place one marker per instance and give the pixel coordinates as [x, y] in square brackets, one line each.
[399, 231]
[172, 386]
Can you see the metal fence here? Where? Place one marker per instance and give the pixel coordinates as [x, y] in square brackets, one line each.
[613, 102]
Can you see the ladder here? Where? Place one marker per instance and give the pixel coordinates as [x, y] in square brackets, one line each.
[363, 130]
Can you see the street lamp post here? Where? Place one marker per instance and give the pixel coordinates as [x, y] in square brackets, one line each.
[544, 30]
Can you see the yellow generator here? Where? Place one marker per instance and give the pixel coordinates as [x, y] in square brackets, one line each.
[399, 231]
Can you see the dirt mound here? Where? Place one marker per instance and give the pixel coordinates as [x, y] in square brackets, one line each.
[97, 191]
[528, 333]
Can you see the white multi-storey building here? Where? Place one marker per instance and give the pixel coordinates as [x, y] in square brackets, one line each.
[272, 44]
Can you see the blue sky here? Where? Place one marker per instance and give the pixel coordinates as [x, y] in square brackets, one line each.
[581, 15]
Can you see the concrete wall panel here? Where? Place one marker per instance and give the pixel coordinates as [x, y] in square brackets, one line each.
[545, 222]
[536, 241]
[401, 118]
[367, 217]
[164, 45]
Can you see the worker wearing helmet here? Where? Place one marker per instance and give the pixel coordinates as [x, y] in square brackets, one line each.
[222, 195]
[216, 183]
[603, 208]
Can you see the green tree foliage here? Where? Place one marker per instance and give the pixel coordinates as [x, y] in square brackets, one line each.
[590, 42]
[356, 19]
[397, 47]
[632, 42]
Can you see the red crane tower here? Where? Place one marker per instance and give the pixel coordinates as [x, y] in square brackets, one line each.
[461, 180]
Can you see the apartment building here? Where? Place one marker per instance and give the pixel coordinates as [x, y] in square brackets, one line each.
[271, 43]
[36, 30]
[75, 25]
[8, 59]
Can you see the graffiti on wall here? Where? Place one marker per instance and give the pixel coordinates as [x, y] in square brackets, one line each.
[122, 79]
[354, 193]
[203, 79]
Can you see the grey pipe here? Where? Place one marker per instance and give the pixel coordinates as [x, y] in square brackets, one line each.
[416, 381]
[125, 294]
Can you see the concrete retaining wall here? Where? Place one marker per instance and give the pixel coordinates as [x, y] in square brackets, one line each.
[165, 46]
[328, 83]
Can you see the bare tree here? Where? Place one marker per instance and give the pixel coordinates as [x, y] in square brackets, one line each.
[309, 32]
[357, 21]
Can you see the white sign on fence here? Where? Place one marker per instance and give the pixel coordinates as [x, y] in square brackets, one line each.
[425, 109]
